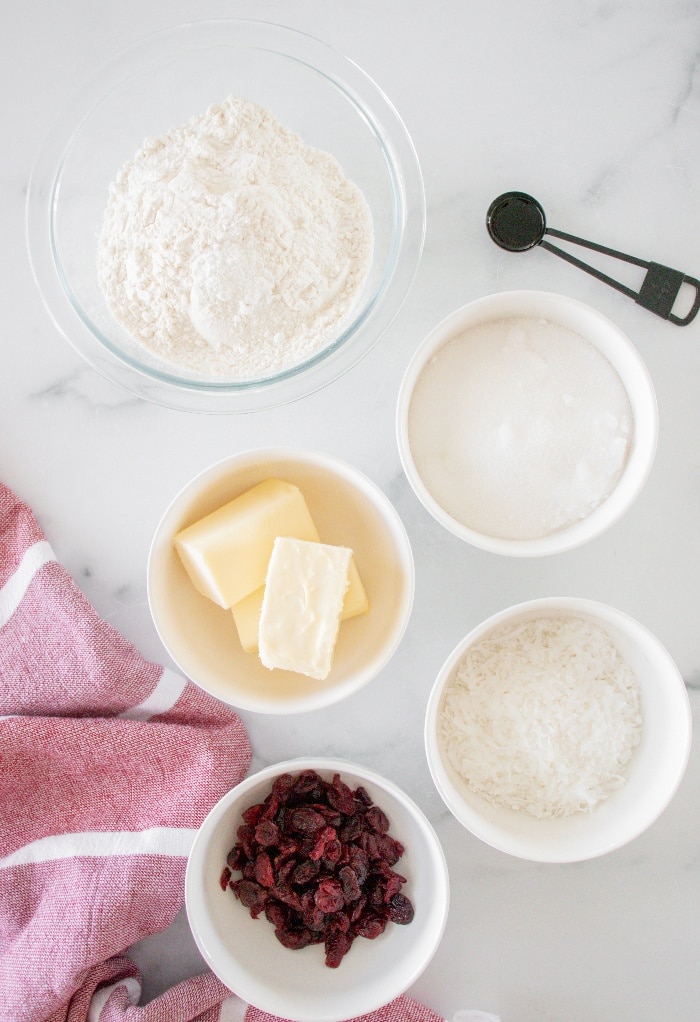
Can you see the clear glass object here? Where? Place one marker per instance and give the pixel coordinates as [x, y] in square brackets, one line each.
[164, 80]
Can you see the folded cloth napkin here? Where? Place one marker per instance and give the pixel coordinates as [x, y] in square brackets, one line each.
[108, 764]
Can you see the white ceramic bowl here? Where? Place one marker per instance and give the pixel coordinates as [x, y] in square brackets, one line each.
[349, 510]
[654, 771]
[247, 957]
[619, 352]
[162, 81]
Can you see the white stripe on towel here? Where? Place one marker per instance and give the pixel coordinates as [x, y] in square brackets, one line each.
[175, 841]
[12, 593]
[232, 1009]
[168, 690]
[99, 999]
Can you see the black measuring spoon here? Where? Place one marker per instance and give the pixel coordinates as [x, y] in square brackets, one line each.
[517, 223]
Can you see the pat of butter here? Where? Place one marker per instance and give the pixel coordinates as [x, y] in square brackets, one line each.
[226, 553]
[246, 613]
[304, 592]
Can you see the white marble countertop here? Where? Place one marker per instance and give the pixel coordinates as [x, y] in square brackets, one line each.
[593, 106]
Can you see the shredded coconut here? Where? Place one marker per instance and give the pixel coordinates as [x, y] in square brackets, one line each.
[231, 248]
[542, 716]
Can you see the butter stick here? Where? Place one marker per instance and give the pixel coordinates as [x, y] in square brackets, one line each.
[246, 613]
[302, 603]
[226, 553]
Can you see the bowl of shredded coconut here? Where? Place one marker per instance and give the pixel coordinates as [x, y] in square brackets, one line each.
[227, 217]
[558, 730]
[527, 423]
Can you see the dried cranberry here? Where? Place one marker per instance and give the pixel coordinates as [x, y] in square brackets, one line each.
[287, 895]
[332, 852]
[322, 839]
[263, 870]
[317, 857]
[317, 920]
[282, 786]
[253, 814]
[308, 904]
[337, 946]
[348, 880]
[351, 830]
[358, 908]
[250, 894]
[277, 914]
[306, 820]
[340, 796]
[377, 819]
[308, 784]
[360, 863]
[340, 922]
[283, 869]
[370, 927]
[393, 886]
[368, 843]
[329, 895]
[305, 871]
[329, 814]
[400, 909]
[272, 804]
[267, 833]
[375, 893]
[389, 849]
[293, 939]
[236, 858]
[246, 838]
[288, 846]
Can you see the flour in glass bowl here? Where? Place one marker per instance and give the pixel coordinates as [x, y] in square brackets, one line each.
[519, 427]
[231, 248]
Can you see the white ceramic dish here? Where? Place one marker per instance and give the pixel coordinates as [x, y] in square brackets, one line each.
[247, 957]
[619, 352]
[654, 772]
[162, 81]
[348, 509]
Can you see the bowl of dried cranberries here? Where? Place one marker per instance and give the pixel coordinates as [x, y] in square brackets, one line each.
[317, 890]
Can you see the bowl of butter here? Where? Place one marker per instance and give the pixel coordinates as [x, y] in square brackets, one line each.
[280, 581]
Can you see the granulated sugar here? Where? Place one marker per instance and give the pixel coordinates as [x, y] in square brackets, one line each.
[231, 248]
[519, 427]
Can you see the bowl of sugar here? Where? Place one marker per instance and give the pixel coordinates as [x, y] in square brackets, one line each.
[226, 217]
[527, 423]
[558, 730]
[280, 580]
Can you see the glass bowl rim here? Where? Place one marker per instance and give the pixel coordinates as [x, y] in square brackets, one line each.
[370, 322]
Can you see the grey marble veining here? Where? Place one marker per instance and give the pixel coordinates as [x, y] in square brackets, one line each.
[594, 107]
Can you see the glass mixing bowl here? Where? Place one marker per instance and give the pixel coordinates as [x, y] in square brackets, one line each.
[163, 81]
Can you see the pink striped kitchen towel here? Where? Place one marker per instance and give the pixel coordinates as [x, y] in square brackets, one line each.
[108, 764]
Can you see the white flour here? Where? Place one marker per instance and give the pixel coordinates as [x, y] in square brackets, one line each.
[231, 248]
